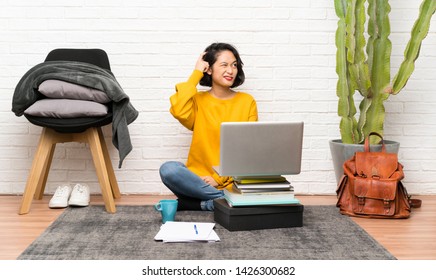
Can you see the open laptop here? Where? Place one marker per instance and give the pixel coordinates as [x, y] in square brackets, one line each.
[259, 149]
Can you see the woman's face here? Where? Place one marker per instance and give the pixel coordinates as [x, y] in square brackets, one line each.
[224, 70]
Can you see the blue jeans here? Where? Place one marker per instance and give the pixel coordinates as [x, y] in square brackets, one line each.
[183, 182]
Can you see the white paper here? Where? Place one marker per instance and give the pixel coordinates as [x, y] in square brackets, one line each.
[187, 232]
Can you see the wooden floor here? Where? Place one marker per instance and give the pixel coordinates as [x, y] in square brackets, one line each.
[409, 239]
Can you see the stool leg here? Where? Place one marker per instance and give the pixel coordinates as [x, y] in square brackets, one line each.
[39, 193]
[101, 168]
[110, 169]
[39, 162]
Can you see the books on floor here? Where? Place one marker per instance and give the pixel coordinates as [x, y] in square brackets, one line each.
[235, 198]
[252, 191]
[273, 186]
[263, 191]
[259, 179]
[187, 232]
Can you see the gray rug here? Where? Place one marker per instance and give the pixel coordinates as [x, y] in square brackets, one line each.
[92, 233]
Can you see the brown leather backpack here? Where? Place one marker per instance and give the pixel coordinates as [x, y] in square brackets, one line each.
[371, 186]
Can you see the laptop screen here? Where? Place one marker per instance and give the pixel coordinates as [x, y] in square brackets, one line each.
[249, 149]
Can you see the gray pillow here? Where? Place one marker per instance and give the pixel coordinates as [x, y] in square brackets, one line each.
[66, 108]
[61, 89]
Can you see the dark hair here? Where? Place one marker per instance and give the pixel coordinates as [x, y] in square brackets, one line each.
[211, 55]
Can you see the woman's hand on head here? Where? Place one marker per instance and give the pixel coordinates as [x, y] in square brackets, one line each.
[202, 65]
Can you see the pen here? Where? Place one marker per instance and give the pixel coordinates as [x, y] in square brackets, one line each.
[195, 228]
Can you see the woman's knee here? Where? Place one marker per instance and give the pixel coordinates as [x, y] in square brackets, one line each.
[169, 169]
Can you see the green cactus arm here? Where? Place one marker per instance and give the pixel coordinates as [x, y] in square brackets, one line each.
[346, 108]
[348, 130]
[340, 8]
[376, 116]
[372, 34]
[364, 106]
[418, 34]
[363, 80]
[357, 66]
[380, 47]
[350, 44]
[350, 39]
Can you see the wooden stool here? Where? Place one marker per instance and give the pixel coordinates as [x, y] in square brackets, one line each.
[43, 157]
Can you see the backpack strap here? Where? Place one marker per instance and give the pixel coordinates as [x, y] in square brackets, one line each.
[367, 146]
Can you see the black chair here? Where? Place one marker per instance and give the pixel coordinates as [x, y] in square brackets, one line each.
[84, 130]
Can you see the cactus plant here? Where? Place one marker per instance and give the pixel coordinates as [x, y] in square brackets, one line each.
[363, 65]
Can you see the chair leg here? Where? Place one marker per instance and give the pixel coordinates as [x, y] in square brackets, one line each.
[43, 178]
[101, 168]
[42, 155]
[110, 170]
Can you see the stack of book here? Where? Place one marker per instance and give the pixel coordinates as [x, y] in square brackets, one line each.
[250, 191]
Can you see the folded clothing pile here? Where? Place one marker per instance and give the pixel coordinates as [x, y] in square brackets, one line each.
[68, 100]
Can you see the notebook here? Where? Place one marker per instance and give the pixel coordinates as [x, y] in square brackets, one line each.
[187, 232]
[260, 149]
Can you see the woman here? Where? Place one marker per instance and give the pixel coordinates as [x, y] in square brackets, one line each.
[196, 184]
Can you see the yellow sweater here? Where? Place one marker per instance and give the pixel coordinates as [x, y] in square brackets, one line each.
[203, 114]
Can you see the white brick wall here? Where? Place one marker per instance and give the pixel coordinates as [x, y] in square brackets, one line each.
[289, 55]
